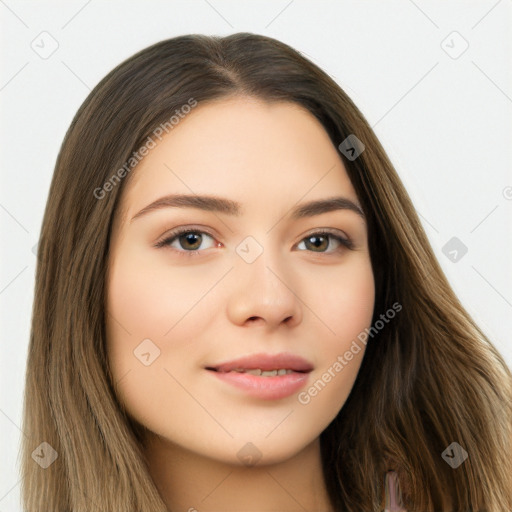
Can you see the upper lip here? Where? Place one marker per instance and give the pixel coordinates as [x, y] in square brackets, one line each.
[265, 362]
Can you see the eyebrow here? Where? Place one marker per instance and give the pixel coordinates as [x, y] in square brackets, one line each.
[234, 208]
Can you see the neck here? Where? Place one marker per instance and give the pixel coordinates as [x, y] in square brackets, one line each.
[189, 482]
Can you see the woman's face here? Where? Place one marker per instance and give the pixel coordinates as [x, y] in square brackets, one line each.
[250, 286]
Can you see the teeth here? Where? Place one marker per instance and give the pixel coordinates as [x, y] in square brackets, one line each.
[264, 373]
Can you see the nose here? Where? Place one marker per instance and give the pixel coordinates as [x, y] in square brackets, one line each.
[263, 293]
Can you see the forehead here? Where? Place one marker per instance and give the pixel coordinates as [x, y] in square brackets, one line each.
[243, 148]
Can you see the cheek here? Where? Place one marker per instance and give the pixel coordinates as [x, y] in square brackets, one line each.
[346, 303]
[346, 309]
[157, 303]
[147, 315]
[152, 300]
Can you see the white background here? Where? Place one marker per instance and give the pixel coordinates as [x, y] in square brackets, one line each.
[445, 122]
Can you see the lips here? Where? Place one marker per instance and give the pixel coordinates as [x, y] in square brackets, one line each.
[265, 363]
[265, 376]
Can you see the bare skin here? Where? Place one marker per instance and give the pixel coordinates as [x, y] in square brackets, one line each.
[310, 300]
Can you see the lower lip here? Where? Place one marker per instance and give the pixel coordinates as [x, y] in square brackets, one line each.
[266, 388]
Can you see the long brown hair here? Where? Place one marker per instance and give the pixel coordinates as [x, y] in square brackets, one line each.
[428, 379]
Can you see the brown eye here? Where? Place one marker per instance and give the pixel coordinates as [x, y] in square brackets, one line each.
[188, 240]
[319, 242]
[185, 241]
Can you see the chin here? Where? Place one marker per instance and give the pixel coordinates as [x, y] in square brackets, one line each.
[267, 452]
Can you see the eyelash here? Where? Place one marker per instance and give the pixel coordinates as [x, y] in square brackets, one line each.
[346, 242]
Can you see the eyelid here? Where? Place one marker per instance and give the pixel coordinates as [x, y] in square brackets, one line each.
[179, 230]
[330, 231]
[336, 233]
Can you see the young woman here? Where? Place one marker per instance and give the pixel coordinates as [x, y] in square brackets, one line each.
[237, 308]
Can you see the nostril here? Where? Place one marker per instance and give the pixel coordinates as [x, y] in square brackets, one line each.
[255, 319]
